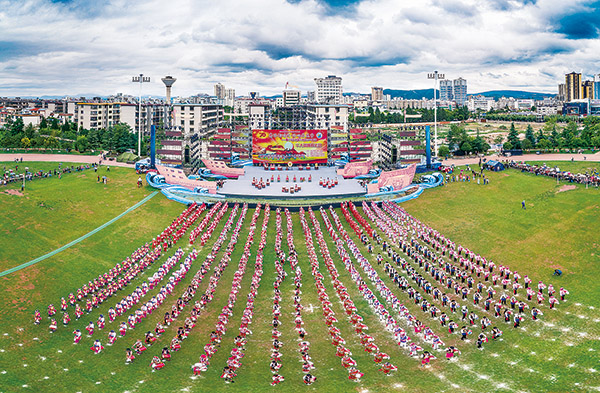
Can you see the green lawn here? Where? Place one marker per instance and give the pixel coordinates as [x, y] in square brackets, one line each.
[558, 229]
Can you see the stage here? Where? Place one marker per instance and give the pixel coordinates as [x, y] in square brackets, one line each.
[243, 188]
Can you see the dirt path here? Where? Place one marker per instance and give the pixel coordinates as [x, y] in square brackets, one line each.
[62, 158]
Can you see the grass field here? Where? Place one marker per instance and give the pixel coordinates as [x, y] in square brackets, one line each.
[558, 353]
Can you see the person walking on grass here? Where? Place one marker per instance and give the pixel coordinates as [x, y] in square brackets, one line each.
[523, 205]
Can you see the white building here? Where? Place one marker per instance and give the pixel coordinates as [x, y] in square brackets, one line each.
[291, 97]
[220, 91]
[325, 116]
[376, 93]
[259, 116]
[480, 103]
[460, 91]
[329, 90]
[197, 122]
[229, 97]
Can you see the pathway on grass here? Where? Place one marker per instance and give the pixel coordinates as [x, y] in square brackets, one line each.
[52, 253]
[62, 158]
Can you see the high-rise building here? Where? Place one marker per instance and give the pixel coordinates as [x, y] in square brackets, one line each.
[229, 97]
[562, 92]
[329, 90]
[376, 93]
[291, 97]
[572, 86]
[597, 87]
[446, 90]
[587, 89]
[220, 91]
[460, 91]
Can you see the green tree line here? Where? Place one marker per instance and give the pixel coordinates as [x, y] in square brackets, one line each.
[53, 135]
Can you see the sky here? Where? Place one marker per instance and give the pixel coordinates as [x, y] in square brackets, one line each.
[85, 47]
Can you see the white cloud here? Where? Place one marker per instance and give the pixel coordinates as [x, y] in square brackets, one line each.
[259, 45]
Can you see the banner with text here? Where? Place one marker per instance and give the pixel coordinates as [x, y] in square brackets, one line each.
[285, 146]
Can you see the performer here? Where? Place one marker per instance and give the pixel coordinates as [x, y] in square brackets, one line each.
[175, 344]
[277, 379]
[165, 354]
[348, 362]
[101, 322]
[309, 379]
[129, 356]
[354, 374]
[37, 317]
[90, 328]
[112, 337]
[563, 292]
[426, 358]
[77, 337]
[451, 352]
[122, 328]
[138, 347]
[149, 338]
[199, 367]
[66, 318]
[97, 347]
[387, 368]
[53, 326]
[156, 363]
[51, 310]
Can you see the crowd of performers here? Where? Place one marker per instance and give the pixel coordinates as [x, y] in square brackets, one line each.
[592, 177]
[97, 291]
[328, 183]
[458, 279]
[448, 282]
[273, 167]
[177, 308]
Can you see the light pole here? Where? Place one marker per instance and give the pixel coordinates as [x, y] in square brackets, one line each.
[140, 79]
[435, 76]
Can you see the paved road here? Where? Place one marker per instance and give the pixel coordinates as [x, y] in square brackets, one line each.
[528, 157]
[62, 158]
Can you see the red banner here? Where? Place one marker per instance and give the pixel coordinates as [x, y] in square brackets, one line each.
[285, 146]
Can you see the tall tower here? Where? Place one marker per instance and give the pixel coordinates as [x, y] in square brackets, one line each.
[573, 86]
[168, 81]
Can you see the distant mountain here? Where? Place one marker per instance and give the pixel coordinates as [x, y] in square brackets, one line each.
[518, 94]
[428, 93]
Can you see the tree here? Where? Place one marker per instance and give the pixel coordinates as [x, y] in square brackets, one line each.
[513, 137]
[25, 142]
[498, 139]
[466, 147]
[43, 123]
[81, 144]
[529, 135]
[507, 146]
[443, 151]
[526, 144]
[29, 131]
[544, 144]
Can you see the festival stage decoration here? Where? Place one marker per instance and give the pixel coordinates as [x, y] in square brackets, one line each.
[289, 146]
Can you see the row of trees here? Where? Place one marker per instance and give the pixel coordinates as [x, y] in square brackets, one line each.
[376, 116]
[53, 135]
[550, 136]
[526, 118]
[461, 143]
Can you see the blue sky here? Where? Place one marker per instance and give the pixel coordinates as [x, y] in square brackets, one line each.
[69, 47]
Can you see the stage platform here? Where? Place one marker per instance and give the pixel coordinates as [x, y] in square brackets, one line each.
[243, 188]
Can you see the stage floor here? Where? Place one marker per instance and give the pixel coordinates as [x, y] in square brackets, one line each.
[243, 186]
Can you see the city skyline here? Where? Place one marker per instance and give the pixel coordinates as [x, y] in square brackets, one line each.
[72, 47]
